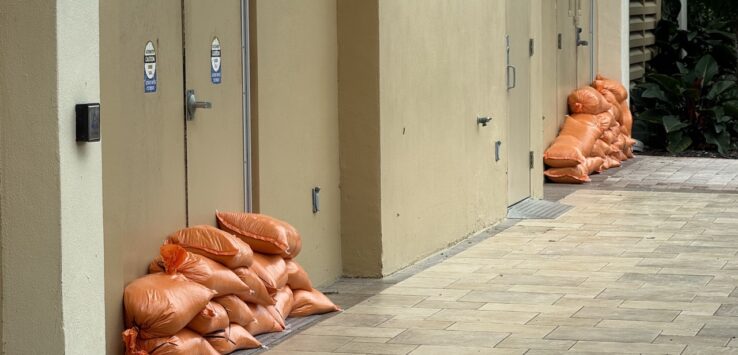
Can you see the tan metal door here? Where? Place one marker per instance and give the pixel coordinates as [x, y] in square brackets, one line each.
[583, 26]
[566, 57]
[214, 129]
[518, 83]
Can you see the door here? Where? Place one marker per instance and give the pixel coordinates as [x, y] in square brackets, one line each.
[566, 55]
[584, 37]
[214, 101]
[518, 84]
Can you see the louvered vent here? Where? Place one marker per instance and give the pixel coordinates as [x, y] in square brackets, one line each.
[644, 15]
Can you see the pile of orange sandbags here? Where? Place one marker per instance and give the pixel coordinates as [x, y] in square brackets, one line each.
[595, 137]
[211, 291]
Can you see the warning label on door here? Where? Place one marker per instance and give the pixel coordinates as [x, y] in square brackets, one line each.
[149, 67]
[215, 62]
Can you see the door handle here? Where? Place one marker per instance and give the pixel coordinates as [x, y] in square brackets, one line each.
[193, 104]
[514, 77]
[581, 42]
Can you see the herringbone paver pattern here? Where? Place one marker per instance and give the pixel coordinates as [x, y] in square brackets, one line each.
[622, 272]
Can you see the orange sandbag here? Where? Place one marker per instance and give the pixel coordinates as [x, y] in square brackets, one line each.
[258, 293]
[264, 234]
[311, 302]
[605, 120]
[284, 300]
[615, 105]
[233, 338]
[594, 165]
[199, 269]
[602, 83]
[238, 311]
[576, 175]
[215, 244]
[601, 149]
[212, 318]
[265, 322]
[297, 278]
[160, 305]
[272, 270]
[613, 162]
[184, 342]
[587, 100]
[564, 152]
[627, 119]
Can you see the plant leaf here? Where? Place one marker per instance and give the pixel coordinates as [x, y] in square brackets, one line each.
[651, 116]
[722, 141]
[655, 93]
[706, 68]
[678, 142]
[667, 83]
[673, 124]
[719, 88]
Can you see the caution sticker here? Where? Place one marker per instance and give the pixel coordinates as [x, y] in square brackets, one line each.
[215, 62]
[150, 67]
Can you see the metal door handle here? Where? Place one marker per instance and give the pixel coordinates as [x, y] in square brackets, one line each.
[193, 104]
[514, 77]
[581, 42]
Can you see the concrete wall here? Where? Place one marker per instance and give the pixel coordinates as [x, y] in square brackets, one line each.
[296, 92]
[52, 254]
[441, 65]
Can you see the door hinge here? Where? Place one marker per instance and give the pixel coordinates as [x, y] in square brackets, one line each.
[559, 41]
[530, 160]
[531, 47]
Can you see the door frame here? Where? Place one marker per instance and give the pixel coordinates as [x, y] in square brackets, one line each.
[246, 72]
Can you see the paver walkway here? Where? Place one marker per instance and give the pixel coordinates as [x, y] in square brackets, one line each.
[621, 272]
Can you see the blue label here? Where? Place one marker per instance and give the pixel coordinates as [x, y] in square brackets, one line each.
[215, 76]
[149, 84]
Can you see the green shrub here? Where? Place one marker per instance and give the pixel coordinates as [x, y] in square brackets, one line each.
[689, 98]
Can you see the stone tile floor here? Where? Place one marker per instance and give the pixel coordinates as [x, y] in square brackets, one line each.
[644, 271]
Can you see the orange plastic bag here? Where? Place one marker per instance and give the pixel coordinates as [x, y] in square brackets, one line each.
[184, 342]
[297, 278]
[263, 233]
[587, 100]
[233, 338]
[594, 165]
[258, 293]
[212, 318]
[238, 311]
[613, 162]
[160, 305]
[627, 119]
[601, 149]
[272, 270]
[564, 152]
[605, 120]
[574, 143]
[215, 244]
[284, 300]
[311, 302]
[200, 269]
[265, 322]
[602, 83]
[576, 175]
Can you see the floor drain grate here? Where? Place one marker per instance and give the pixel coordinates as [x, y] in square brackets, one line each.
[537, 209]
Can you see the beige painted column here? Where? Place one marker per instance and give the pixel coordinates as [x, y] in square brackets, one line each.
[613, 36]
[50, 191]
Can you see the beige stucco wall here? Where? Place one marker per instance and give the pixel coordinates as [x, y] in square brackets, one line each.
[441, 65]
[296, 110]
[358, 106]
[613, 35]
[52, 274]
